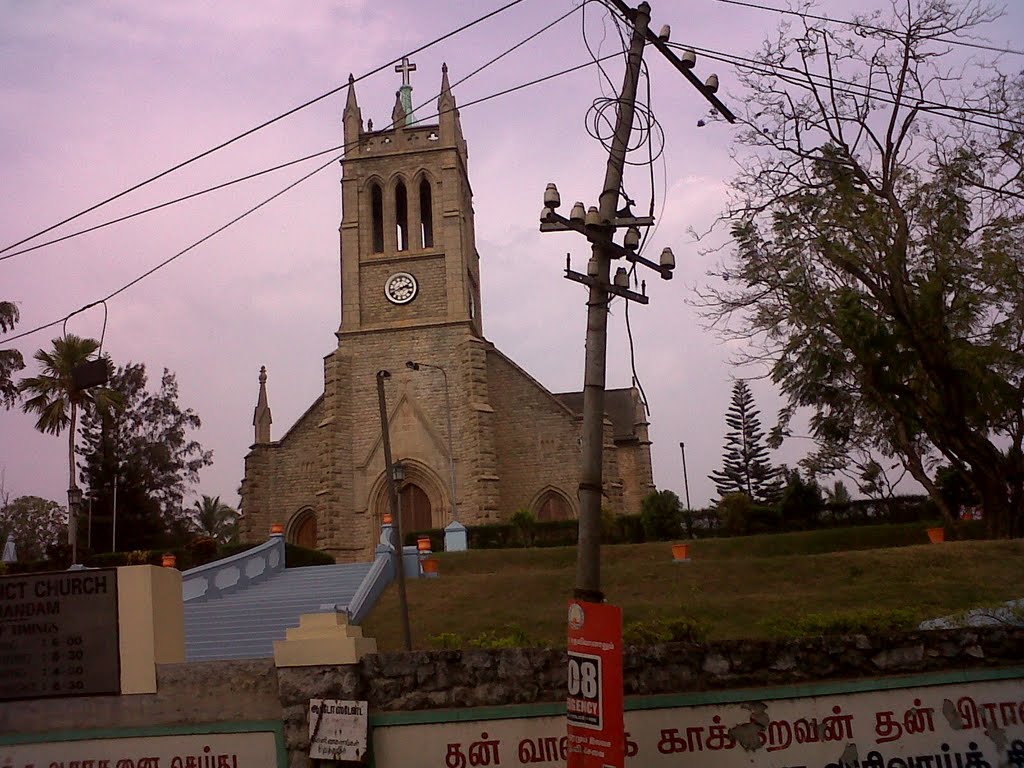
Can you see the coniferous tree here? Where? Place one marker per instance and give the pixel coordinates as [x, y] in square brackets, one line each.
[745, 465]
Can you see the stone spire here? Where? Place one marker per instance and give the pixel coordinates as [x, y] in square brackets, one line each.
[399, 116]
[352, 118]
[448, 114]
[261, 416]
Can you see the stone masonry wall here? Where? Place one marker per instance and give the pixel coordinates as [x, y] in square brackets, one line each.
[282, 478]
[473, 678]
[231, 691]
[536, 438]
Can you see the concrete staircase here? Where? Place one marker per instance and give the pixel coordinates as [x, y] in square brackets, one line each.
[243, 624]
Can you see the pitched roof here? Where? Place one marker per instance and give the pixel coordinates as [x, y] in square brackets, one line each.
[619, 406]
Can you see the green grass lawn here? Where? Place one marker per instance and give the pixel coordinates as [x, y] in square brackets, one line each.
[755, 586]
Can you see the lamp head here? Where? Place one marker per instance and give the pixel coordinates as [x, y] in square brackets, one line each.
[411, 365]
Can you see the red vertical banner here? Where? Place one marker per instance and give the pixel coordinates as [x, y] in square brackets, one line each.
[594, 718]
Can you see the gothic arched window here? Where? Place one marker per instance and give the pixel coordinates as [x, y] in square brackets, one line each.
[402, 216]
[426, 215]
[377, 214]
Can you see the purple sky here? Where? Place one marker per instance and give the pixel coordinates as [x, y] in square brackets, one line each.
[97, 96]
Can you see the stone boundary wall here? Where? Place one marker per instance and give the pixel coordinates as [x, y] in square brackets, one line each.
[234, 691]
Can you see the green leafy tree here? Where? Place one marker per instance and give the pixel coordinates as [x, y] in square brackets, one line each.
[35, 523]
[147, 450]
[53, 396]
[215, 519]
[11, 360]
[877, 261]
[745, 465]
[801, 503]
[660, 515]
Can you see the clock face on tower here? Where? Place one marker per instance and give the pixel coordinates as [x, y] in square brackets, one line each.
[400, 288]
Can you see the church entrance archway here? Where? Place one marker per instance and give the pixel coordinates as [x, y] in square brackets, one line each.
[303, 530]
[553, 506]
[415, 506]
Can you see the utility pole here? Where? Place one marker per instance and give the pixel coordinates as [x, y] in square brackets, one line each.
[598, 224]
[588, 557]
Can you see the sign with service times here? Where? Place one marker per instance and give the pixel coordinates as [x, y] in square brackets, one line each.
[58, 634]
[594, 707]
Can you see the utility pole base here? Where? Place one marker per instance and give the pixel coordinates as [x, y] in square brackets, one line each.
[588, 595]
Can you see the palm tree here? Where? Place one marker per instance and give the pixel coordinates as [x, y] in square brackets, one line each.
[54, 396]
[215, 519]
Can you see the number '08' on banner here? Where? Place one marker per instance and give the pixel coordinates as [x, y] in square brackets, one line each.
[594, 718]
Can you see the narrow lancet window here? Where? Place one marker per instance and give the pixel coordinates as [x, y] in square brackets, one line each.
[426, 215]
[402, 216]
[377, 214]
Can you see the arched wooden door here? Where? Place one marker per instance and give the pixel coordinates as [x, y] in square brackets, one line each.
[554, 507]
[415, 508]
[305, 534]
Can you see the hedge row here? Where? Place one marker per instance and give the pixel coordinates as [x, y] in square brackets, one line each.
[186, 557]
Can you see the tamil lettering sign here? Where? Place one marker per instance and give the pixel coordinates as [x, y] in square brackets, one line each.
[337, 729]
[594, 725]
[58, 634]
[969, 725]
[210, 750]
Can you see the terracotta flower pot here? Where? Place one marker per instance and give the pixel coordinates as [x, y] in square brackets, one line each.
[680, 552]
[936, 535]
[431, 567]
[276, 529]
[423, 543]
[169, 561]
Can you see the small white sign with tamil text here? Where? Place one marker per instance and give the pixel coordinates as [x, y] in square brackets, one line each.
[337, 729]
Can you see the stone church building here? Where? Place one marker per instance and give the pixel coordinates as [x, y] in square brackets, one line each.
[410, 292]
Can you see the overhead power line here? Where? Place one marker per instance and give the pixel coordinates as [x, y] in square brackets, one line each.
[872, 27]
[261, 126]
[7, 340]
[280, 166]
[808, 79]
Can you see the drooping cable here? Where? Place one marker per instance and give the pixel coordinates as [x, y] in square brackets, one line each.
[261, 126]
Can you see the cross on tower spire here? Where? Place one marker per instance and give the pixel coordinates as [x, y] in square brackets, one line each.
[406, 67]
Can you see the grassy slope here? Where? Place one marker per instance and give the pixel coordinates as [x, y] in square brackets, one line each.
[741, 587]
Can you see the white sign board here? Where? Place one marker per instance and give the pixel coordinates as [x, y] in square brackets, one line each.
[337, 729]
[254, 749]
[968, 725]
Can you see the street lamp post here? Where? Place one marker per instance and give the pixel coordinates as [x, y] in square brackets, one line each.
[414, 366]
[392, 471]
[74, 504]
[686, 482]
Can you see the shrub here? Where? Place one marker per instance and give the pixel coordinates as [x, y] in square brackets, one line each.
[300, 557]
[524, 522]
[513, 636]
[659, 515]
[864, 621]
[664, 629]
[735, 510]
[202, 550]
[445, 640]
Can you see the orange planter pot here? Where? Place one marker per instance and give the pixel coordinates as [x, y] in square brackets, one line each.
[276, 529]
[169, 561]
[423, 543]
[680, 552]
[936, 535]
[431, 566]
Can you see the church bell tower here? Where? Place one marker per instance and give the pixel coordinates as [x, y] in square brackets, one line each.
[408, 254]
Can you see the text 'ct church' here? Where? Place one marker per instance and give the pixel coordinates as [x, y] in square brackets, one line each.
[410, 291]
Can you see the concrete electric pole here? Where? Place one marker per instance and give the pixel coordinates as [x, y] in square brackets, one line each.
[598, 224]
